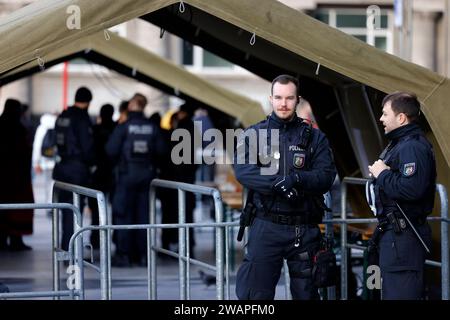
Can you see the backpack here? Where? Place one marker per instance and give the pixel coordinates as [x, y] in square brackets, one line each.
[48, 148]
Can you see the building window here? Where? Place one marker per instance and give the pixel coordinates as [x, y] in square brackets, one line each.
[199, 59]
[353, 21]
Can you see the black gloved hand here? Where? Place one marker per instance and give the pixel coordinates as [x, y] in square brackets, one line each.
[291, 195]
[285, 186]
[285, 183]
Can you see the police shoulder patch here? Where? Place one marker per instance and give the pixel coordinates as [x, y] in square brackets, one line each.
[409, 169]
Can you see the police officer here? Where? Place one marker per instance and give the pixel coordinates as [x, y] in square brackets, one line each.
[286, 200]
[135, 146]
[404, 185]
[75, 153]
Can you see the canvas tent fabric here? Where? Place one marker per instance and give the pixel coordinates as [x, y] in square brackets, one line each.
[118, 52]
[41, 28]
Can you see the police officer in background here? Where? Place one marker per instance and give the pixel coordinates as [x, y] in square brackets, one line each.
[404, 187]
[134, 146]
[287, 209]
[75, 153]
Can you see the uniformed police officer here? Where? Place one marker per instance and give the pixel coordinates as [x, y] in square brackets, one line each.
[75, 153]
[287, 213]
[404, 185]
[135, 146]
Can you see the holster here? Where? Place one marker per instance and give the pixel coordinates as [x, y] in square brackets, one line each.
[325, 271]
[247, 215]
[372, 247]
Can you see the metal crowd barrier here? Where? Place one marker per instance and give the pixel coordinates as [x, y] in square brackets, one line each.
[444, 264]
[55, 251]
[75, 254]
[105, 237]
[183, 247]
[222, 242]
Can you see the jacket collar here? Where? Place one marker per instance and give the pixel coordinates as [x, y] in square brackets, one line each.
[403, 131]
[135, 115]
[276, 123]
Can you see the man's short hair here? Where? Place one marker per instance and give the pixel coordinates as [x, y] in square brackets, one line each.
[106, 111]
[140, 99]
[404, 102]
[285, 79]
[83, 94]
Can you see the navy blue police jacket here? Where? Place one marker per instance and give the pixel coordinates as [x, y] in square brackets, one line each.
[314, 165]
[135, 146]
[75, 146]
[411, 179]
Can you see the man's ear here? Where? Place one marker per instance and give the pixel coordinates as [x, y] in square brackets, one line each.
[402, 118]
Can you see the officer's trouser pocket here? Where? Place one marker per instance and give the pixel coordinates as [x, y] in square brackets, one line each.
[401, 252]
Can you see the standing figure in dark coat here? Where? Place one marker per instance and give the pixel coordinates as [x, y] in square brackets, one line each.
[15, 177]
[135, 145]
[184, 172]
[102, 177]
[75, 143]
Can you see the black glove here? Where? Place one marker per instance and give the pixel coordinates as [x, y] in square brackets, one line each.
[284, 184]
[291, 195]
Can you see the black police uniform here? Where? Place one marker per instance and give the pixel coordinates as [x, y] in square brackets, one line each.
[135, 146]
[75, 155]
[410, 183]
[282, 228]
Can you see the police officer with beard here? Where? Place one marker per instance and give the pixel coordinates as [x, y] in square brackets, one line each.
[75, 153]
[134, 146]
[286, 200]
[404, 188]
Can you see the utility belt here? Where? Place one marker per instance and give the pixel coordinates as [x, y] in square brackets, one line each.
[293, 220]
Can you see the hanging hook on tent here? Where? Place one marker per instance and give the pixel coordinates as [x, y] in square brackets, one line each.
[317, 69]
[106, 34]
[40, 61]
[253, 39]
[182, 8]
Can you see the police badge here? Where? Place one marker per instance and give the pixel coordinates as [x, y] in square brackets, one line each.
[299, 160]
[409, 169]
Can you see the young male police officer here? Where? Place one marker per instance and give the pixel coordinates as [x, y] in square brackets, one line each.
[75, 148]
[404, 180]
[287, 217]
[134, 146]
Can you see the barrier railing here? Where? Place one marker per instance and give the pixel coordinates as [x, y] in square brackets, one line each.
[105, 235]
[182, 248]
[56, 253]
[221, 240]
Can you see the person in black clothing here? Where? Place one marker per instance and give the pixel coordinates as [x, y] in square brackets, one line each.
[75, 154]
[286, 199]
[102, 177]
[184, 172]
[134, 146]
[404, 184]
[15, 177]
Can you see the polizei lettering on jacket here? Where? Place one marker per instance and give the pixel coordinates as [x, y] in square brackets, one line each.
[140, 129]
